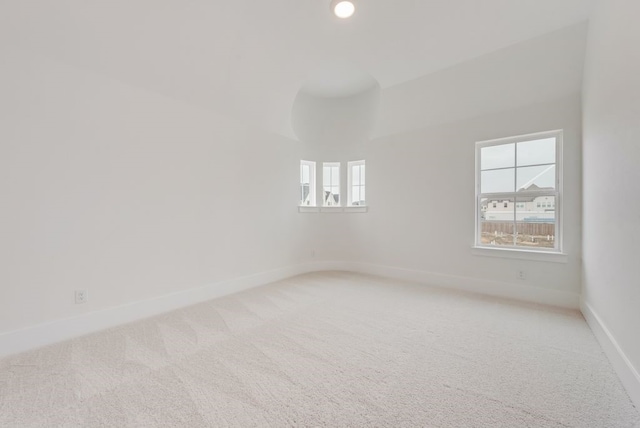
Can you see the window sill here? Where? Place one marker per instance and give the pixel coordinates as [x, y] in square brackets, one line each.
[356, 209]
[305, 209]
[507, 253]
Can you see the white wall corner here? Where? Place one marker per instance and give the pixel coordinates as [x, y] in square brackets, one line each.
[40, 335]
[627, 373]
[68, 328]
[506, 290]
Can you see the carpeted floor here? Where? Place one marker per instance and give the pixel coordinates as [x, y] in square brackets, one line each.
[331, 349]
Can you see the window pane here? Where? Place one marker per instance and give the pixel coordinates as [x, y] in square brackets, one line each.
[332, 196]
[355, 175]
[502, 180]
[331, 185]
[502, 156]
[496, 224]
[537, 152]
[307, 183]
[355, 195]
[326, 175]
[543, 177]
[536, 222]
[363, 198]
[357, 185]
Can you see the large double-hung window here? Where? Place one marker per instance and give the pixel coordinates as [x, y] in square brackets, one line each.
[518, 192]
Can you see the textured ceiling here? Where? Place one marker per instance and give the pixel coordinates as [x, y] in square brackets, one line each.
[248, 58]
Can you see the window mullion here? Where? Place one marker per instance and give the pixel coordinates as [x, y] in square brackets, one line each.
[515, 188]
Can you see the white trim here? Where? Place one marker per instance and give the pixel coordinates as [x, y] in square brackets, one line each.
[59, 330]
[628, 374]
[315, 210]
[308, 209]
[519, 138]
[332, 210]
[509, 253]
[521, 292]
[357, 209]
[527, 293]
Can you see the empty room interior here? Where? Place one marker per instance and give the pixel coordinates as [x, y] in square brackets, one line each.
[407, 213]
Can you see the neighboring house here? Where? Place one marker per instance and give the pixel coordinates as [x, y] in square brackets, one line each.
[331, 200]
[535, 209]
[306, 195]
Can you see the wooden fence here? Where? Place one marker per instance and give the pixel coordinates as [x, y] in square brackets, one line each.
[531, 229]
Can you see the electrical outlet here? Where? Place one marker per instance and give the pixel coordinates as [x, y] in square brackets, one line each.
[522, 275]
[81, 296]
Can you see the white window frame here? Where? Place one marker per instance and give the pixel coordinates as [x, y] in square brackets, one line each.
[557, 193]
[339, 184]
[312, 183]
[350, 166]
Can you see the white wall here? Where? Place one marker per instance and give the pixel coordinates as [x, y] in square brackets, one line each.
[333, 128]
[128, 194]
[612, 181]
[527, 73]
[494, 96]
[434, 232]
[131, 194]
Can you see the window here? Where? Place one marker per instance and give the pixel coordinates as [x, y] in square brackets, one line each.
[525, 170]
[329, 188]
[506, 204]
[356, 186]
[307, 183]
[331, 184]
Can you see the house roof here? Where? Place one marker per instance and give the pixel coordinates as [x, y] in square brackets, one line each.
[336, 198]
[522, 198]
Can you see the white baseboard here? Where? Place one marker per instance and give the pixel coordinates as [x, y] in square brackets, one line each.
[627, 373]
[68, 328]
[59, 330]
[507, 290]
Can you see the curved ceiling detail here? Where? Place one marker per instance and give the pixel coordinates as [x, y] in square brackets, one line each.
[245, 59]
[338, 81]
[336, 105]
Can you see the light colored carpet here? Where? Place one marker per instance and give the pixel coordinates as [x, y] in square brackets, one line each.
[331, 349]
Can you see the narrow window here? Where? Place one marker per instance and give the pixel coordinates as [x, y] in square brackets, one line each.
[307, 183]
[331, 184]
[356, 193]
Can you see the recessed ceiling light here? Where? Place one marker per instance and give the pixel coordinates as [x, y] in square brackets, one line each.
[343, 8]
